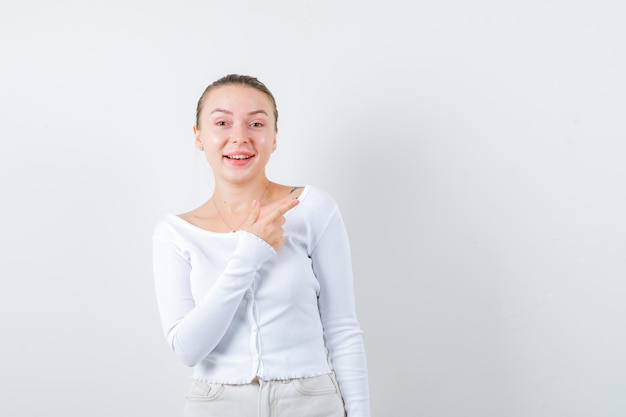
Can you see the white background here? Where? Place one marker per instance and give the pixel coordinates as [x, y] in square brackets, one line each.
[477, 150]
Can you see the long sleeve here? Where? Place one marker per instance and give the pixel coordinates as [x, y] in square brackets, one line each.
[193, 329]
[333, 268]
[235, 309]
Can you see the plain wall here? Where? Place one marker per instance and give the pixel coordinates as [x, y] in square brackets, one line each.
[476, 150]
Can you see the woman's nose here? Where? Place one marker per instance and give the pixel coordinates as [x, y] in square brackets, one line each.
[239, 134]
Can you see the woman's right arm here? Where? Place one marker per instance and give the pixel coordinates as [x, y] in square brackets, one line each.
[193, 330]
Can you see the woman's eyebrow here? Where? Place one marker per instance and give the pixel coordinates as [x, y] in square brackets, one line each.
[218, 110]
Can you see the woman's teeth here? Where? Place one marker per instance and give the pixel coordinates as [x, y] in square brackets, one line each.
[238, 156]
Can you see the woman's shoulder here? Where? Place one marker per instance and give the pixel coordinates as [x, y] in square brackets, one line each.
[318, 195]
[316, 201]
[167, 227]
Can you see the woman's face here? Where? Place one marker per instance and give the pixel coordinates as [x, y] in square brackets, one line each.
[237, 131]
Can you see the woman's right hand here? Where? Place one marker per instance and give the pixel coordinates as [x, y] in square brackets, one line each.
[267, 223]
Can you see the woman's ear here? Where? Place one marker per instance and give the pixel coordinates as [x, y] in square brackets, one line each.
[196, 135]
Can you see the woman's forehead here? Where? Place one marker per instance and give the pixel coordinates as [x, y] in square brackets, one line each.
[239, 95]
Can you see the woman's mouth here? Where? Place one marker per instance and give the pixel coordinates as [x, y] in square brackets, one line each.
[238, 159]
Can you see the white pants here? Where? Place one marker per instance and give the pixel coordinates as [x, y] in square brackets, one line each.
[303, 397]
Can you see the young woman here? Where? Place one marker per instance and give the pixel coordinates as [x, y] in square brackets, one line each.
[254, 287]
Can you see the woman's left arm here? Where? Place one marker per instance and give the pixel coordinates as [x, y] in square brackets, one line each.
[332, 265]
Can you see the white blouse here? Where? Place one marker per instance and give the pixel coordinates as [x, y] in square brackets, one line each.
[235, 309]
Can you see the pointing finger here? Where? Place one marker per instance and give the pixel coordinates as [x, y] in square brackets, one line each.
[285, 207]
[279, 208]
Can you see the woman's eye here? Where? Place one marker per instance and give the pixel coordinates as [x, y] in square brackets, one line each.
[220, 123]
[257, 124]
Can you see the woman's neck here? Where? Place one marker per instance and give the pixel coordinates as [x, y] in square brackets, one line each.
[235, 198]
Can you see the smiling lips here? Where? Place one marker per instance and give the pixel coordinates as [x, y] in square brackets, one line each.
[238, 159]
